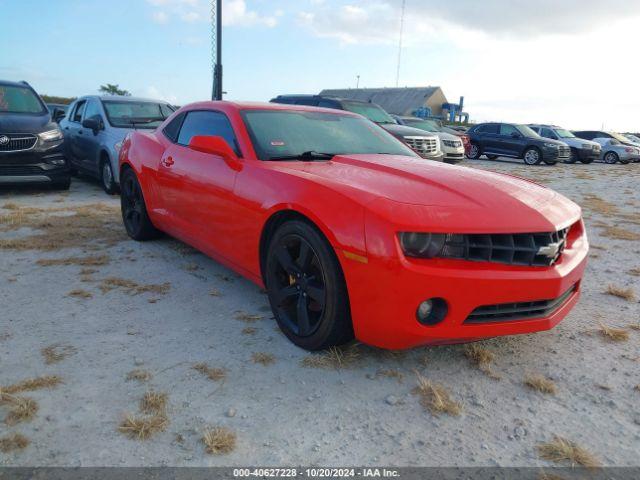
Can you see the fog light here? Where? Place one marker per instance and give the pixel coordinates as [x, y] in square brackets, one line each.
[57, 161]
[432, 311]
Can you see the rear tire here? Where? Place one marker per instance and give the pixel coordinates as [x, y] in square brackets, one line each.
[474, 151]
[134, 209]
[611, 158]
[306, 288]
[532, 156]
[107, 179]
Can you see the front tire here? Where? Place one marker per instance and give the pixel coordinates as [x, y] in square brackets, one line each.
[134, 209]
[532, 156]
[306, 288]
[107, 179]
[474, 152]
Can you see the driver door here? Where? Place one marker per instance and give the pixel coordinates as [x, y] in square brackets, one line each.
[197, 188]
[511, 140]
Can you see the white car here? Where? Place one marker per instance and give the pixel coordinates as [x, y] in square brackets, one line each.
[452, 145]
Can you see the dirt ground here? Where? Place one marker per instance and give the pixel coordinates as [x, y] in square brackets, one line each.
[114, 319]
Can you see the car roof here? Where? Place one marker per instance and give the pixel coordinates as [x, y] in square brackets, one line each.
[9, 83]
[325, 97]
[264, 106]
[120, 98]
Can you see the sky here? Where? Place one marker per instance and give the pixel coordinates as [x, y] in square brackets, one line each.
[568, 62]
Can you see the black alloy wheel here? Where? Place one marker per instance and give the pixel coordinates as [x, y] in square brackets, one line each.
[306, 288]
[134, 210]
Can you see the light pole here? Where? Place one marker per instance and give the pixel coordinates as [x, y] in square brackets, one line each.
[216, 48]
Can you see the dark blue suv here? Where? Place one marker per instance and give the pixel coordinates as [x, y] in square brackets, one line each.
[517, 141]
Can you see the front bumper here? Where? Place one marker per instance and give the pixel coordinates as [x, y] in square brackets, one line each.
[552, 154]
[588, 154]
[33, 167]
[386, 290]
[437, 157]
[453, 155]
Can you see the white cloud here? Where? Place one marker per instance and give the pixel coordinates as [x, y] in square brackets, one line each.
[234, 12]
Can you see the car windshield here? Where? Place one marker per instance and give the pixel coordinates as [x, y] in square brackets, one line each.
[428, 125]
[369, 110]
[300, 134]
[15, 99]
[620, 138]
[527, 132]
[562, 133]
[633, 138]
[127, 114]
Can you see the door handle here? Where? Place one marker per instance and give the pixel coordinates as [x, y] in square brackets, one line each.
[167, 162]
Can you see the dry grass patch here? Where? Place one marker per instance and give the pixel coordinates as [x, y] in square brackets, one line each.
[13, 442]
[246, 317]
[90, 261]
[142, 428]
[131, 287]
[213, 373]
[619, 233]
[57, 352]
[635, 326]
[390, 373]
[540, 384]
[634, 271]
[49, 381]
[613, 334]
[21, 409]
[263, 358]
[481, 357]
[64, 227]
[80, 293]
[561, 450]
[139, 375]
[436, 398]
[249, 330]
[598, 205]
[154, 403]
[620, 292]
[333, 358]
[219, 440]
[214, 292]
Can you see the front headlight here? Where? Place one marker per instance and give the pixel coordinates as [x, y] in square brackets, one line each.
[422, 245]
[551, 145]
[51, 135]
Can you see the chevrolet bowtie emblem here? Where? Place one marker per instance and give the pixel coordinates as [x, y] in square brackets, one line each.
[549, 251]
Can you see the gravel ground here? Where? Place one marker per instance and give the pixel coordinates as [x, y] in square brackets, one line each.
[185, 309]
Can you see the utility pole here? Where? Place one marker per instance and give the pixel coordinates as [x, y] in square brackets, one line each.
[358, 81]
[404, 5]
[216, 48]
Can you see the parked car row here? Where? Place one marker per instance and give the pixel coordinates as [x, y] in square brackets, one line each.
[550, 144]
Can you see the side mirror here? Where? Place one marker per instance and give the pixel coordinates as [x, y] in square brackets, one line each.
[57, 115]
[92, 123]
[215, 146]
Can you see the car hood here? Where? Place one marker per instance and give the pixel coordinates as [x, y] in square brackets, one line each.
[413, 192]
[24, 123]
[404, 131]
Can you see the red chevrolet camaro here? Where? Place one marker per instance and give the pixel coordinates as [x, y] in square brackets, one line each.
[350, 232]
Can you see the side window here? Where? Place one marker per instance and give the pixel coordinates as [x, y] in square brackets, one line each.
[78, 111]
[547, 133]
[327, 104]
[92, 109]
[488, 128]
[173, 128]
[207, 123]
[508, 130]
[587, 135]
[310, 102]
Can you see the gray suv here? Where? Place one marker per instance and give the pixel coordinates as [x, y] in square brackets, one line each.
[96, 126]
[584, 150]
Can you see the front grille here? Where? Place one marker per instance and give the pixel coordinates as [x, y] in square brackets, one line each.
[452, 143]
[423, 145]
[564, 152]
[17, 142]
[531, 249]
[18, 170]
[506, 312]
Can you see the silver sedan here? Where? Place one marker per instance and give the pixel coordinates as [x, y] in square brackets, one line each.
[613, 151]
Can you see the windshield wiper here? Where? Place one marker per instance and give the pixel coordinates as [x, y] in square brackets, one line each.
[306, 156]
